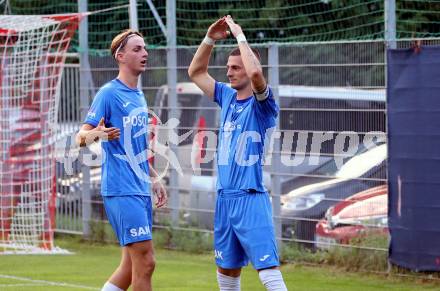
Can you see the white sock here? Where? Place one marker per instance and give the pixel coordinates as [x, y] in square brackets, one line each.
[272, 280]
[227, 283]
[110, 287]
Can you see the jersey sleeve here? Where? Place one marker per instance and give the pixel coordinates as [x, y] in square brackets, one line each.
[266, 105]
[99, 108]
[223, 94]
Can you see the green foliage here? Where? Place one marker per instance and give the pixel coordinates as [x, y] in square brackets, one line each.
[357, 259]
[418, 19]
[363, 254]
[263, 20]
[294, 252]
[372, 240]
[101, 232]
[183, 240]
[285, 21]
[42, 6]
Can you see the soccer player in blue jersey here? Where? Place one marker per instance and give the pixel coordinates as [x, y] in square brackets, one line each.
[243, 227]
[118, 117]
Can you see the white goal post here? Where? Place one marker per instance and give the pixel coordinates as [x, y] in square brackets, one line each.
[32, 54]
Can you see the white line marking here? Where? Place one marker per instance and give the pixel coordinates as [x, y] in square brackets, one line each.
[47, 282]
[21, 285]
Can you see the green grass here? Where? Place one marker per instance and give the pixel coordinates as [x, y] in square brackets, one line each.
[93, 263]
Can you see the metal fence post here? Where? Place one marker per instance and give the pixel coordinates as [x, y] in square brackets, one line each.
[134, 24]
[84, 104]
[390, 23]
[172, 102]
[274, 80]
[390, 42]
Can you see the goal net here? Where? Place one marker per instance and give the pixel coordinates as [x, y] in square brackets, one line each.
[32, 50]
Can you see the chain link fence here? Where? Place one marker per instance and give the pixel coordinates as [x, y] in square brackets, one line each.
[326, 92]
[328, 171]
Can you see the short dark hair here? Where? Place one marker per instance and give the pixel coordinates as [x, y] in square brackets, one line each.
[236, 52]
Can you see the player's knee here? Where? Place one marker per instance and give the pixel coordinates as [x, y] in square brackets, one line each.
[150, 263]
[145, 265]
[230, 272]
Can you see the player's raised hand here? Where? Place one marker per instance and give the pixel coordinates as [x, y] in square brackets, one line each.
[234, 27]
[160, 193]
[102, 132]
[218, 30]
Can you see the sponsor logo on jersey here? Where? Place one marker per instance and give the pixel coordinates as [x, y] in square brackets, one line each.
[135, 120]
[139, 231]
[218, 254]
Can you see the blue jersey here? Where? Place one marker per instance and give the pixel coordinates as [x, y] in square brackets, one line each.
[125, 168]
[243, 127]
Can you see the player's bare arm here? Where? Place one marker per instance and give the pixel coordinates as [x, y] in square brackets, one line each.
[89, 134]
[198, 69]
[251, 63]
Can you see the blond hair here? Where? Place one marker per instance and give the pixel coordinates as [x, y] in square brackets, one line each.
[119, 41]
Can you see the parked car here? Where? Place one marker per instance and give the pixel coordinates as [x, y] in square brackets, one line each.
[309, 200]
[356, 217]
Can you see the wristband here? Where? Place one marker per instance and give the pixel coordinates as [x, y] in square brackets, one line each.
[208, 40]
[261, 96]
[241, 38]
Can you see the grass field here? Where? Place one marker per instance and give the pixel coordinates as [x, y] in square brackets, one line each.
[91, 264]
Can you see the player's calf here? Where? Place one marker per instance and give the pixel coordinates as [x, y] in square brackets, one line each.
[143, 262]
[228, 283]
[272, 280]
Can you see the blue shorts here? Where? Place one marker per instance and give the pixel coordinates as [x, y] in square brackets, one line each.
[130, 217]
[243, 230]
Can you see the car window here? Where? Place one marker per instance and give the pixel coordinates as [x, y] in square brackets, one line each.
[315, 114]
[187, 110]
[329, 168]
[362, 163]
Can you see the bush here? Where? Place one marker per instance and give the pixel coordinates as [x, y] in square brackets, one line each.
[360, 255]
[297, 252]
[101, 232]
[184, 240]
[357, 259]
